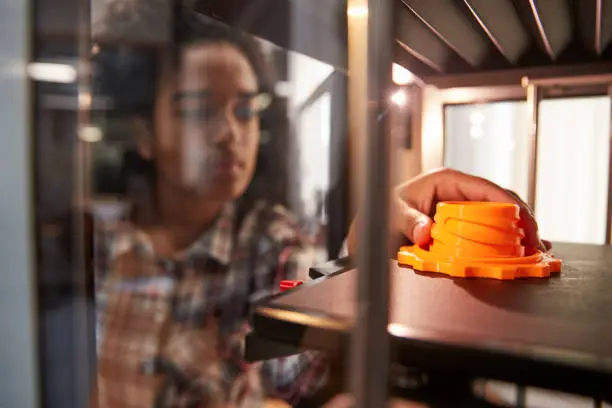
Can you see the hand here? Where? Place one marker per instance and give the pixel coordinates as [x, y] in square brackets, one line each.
[414, 203]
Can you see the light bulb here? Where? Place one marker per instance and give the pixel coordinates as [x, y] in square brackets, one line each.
[399, 97]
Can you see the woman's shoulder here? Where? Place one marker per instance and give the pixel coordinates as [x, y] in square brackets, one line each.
[120, 237]
[123, 242]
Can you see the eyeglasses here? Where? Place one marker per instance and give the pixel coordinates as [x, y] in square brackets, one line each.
[199, 106]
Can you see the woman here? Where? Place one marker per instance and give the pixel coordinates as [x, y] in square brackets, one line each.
[174, 290]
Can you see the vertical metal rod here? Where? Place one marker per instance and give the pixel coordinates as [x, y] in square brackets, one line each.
[521, 396]
[370, 348]
[609, 208]
[83, 330]
[534, 95]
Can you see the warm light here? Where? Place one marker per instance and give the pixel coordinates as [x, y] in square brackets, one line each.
[476, 132]
[51, 72]
[95, 49]
[399, 97]
[85, 100]
[399, 330]
[357, 11]
[525, 82]
[401, 76]
[90, 134]
[432, 141]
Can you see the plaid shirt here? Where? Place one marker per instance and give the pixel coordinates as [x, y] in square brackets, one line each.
[171, 331]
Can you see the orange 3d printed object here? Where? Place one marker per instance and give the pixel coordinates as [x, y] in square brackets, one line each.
[480, 240]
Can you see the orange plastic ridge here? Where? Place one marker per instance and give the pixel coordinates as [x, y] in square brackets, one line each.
[479, 240]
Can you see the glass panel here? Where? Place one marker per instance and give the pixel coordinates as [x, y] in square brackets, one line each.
[208, 149]
[489, 140]
[183, 165]
[314, 156]
[310, 103]
[573, 165]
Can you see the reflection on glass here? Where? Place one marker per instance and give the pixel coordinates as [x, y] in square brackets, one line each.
[491, 141]
[129, 22]
[209, 187]
[573, 166]
[314, 137]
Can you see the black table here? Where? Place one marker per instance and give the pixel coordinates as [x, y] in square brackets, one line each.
[554, 333]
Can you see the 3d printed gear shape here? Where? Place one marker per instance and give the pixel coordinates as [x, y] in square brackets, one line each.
[478, 240]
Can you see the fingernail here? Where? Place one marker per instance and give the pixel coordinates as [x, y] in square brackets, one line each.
[420, 233]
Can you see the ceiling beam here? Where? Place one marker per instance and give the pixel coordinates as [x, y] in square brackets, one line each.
[450, 24]
[433, 29]
[420, 57]
[514, 76]
[407, 60]
[540, 26]
[538, 49]
[419, 40]
[549, 22]
[500, 23]
[598, 25]
[486, 29]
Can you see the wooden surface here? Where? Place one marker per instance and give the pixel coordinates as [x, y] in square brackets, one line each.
[567, 315]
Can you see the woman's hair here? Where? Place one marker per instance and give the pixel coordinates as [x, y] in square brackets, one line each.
[191, 28]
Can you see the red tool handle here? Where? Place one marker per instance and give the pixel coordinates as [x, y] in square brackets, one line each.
[288, 284]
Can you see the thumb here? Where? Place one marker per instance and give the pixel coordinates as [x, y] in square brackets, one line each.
[414, 224]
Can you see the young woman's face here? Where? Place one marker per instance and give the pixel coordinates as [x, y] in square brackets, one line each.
[213, 149]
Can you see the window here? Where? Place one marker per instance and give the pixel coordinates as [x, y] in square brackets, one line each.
[572, 173]
[489, 140]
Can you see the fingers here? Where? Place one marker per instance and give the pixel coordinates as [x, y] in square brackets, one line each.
[528, 215]
[532, 238]
[423, 192]
[415, 225]
[478, 189]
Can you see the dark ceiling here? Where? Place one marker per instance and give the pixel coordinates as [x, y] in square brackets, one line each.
[464, 36]
[440, 39]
